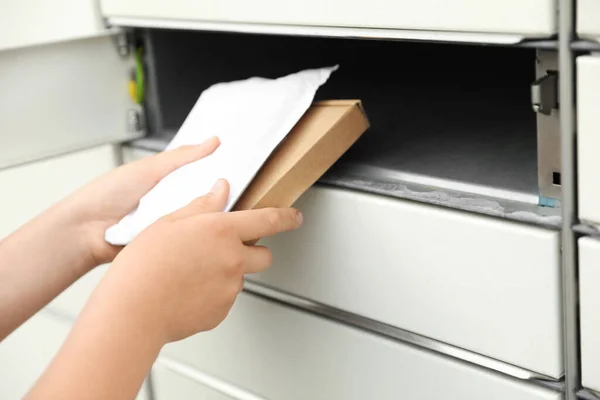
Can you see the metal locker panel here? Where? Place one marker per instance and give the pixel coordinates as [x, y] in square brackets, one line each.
[588, 19]
[477, 283]
[280, 353]
[511, 20]
[589, 277]
[588, 137]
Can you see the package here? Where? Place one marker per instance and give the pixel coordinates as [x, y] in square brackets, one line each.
[320, 138]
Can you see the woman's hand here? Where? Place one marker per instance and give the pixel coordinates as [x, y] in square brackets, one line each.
[182, 274]
[178, 277]
[104, 201]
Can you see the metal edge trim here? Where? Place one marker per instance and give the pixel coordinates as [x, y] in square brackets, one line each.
[392, 332]
[205, 379]
[540, 44]
[322, 31]
[586, 229]
[65, 150]
[528, 218]
[156, 144]
[587, 394]
[148, 144]
[570, 311]
[442, 183]
[585, 45]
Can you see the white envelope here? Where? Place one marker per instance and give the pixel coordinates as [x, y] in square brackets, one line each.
[250, 117]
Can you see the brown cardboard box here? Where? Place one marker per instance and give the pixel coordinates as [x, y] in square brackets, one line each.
[319, 139]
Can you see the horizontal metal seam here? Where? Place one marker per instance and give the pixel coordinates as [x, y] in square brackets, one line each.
[398, 334]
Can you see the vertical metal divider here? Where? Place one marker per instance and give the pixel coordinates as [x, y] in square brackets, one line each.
[570, 306]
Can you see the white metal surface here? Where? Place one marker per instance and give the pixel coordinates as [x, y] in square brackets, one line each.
[32, 22]
[281, 353]
[588, 131]
[62, 97]
[388, 331]
[528, 18]
[589, 287]
[29, 189]
[173, 380]
[588, 19]
[486, 285]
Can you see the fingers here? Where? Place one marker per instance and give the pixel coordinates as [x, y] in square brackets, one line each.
[255, 224]
[258, 259]
[168, 161]
[212, 202]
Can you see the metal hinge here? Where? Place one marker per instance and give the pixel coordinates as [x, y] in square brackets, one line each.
[135, 121]
[124, 42]
[544, 93]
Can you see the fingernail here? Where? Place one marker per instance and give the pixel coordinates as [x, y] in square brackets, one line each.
[218, 186]
[299, 218]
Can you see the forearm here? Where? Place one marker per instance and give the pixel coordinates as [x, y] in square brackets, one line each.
[108, 353]
[38, 262]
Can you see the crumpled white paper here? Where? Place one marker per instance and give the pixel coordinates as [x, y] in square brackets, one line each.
[250, 117]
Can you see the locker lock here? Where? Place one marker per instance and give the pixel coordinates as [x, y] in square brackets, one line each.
[544, 93]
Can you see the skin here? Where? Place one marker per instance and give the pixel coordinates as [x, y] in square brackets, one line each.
[179, 277]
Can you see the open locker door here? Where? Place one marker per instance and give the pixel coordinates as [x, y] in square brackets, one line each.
[64, 82]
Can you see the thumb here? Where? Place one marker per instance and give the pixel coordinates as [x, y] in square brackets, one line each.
[212, 202]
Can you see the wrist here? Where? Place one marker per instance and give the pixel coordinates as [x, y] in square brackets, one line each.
[65, 232]
[118, 305]
[87, 232]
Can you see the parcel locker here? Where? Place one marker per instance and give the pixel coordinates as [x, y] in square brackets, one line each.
[450, 202]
